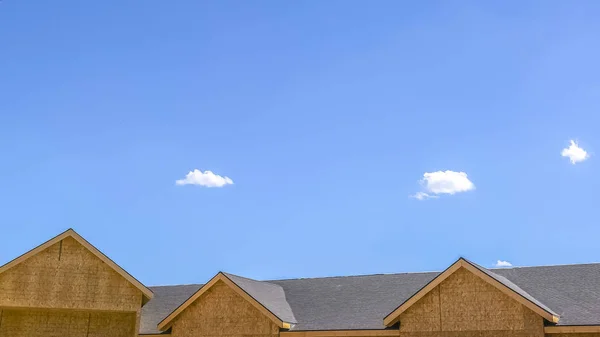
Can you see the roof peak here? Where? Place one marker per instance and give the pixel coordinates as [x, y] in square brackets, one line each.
[428, 272]
[147, 293]
[244, 277]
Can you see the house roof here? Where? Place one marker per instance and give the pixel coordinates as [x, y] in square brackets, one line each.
[512, 286]
[572, 291]
[270, 299]
[165, 301]
[499, 282]
[361, 302]
[169, 298]
[270, 295]
[146, 292]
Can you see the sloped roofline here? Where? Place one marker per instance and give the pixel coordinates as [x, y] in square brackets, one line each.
[258, 289]
[147, 293]
[166, 323]
[541, 310]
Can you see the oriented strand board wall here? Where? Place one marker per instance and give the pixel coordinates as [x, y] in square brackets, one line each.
[220, 312]
[67, 275]
[464, 305]
[57, 323]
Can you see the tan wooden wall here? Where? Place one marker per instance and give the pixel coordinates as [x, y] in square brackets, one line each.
[67, 275]
[591, 334]
[67, 287]
[220, 312]
[463, 305]
[66, 323]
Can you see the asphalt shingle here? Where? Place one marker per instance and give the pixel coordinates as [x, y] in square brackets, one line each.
[361, 302]
[506, 282]
[166, 299]
[270, 295]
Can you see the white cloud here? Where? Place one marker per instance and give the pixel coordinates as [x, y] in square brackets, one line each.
[423, 196]
[501, 264]
[206, 178]
[443, 182]
[447, 182]
[575, 153]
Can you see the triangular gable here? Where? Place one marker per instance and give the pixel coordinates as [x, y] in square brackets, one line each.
[499, 282]
[147, 293]
[166, 323]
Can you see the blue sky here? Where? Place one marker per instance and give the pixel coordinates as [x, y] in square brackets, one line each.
[325, 115]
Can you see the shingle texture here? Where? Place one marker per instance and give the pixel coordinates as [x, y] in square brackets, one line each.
[361, 302]
[513, 287]
[270, 295]
[572, 291]
[165, 300]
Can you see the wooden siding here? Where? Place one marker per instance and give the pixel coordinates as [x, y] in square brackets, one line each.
[63, 323]
[464, 305]
[221, 312]
[68, 276]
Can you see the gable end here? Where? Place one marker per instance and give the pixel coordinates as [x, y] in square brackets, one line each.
[221, 277]
[394, 316]
[70, 233]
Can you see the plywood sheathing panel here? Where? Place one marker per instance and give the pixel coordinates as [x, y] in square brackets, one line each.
[112, 325]
[465, 303]
[62, 323]
[221, 312]
[67, 275]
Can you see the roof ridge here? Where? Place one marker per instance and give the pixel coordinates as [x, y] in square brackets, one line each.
[349, 276]
[426, 272]
[245, 278]
[176, 285]
[383, 274]
[546, 265]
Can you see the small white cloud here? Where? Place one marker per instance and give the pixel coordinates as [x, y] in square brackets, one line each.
[575, 153]
[447, 182]
[501, 264]
[443, 182]
[423, 196]
[206, 179]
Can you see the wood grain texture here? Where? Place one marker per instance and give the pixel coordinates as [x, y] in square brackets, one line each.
[465, 305]
[221, 312]
[62, 323]
[223, 279]
[70, 233]
[462, 264]
[67, 275]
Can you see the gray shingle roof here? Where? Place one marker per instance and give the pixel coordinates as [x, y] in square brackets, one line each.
[165, 300]
[572, 291]
[354, 302]
[513, 287]
[361, 302]
[270, 295]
